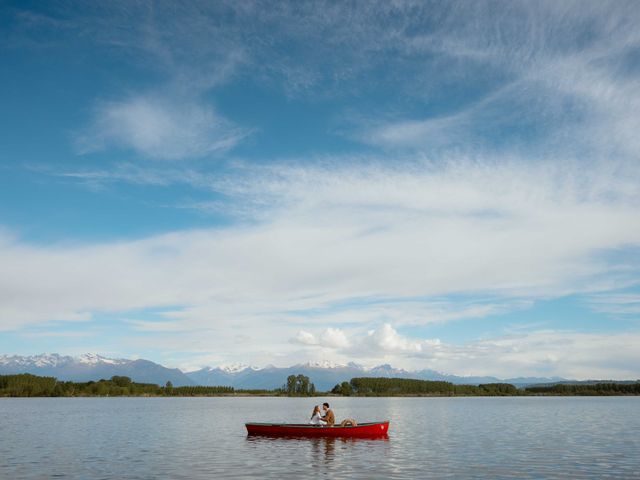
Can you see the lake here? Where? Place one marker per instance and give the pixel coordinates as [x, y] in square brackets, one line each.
[205, 438]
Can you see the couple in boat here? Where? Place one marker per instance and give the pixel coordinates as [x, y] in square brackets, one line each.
[325, 417]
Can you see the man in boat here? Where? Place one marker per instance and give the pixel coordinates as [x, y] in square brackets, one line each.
[328, 416]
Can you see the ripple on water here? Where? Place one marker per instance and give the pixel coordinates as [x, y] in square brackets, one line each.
[198, 438]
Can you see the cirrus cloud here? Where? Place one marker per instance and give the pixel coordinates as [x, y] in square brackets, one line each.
[324, 235]
[160, 128]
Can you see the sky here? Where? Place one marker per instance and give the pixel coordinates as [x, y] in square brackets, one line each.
[443, 185]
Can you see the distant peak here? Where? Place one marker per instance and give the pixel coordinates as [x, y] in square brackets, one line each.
[41, 360]
[55, 359]
[235, 367]
[89, 358]
[324, 364]
[385, 367]
[94, 359]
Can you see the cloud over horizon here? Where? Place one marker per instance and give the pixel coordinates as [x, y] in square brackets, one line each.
[333, 240]
[388, 181]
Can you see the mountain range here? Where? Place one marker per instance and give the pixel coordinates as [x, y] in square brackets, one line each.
[90, 366]
[323, 374]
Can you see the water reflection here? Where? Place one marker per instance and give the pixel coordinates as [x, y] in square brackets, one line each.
[205, 438]
[329, 444]
[321, 449]
[325, 457]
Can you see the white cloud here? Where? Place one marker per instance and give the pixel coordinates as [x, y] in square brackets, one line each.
[334, 337]
[549, 353]
[159, 128]
[375, 344]
[552, 77]
[387, 340]
[306, 338]
[540, 353]
[188, 53]
[556, 70]
[405, 311]
[330, 337]
[321, 236]
[507, 230]
[616, 303]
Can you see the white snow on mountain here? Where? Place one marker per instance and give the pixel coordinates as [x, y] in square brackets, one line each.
[234, 368]
[7, 359]
[43, 360]
[94, 359]
[324, 373]
[324, 364]
[54, 359]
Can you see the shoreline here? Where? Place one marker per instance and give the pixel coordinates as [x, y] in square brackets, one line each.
[248, 395]
[28, 385]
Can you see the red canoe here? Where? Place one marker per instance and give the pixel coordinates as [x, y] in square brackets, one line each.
[363, 430]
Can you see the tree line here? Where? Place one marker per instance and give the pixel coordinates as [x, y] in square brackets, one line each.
[373, 386]
[27, 385]
[586, 389]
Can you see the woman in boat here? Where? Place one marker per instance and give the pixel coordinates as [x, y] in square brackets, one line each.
[316, 417]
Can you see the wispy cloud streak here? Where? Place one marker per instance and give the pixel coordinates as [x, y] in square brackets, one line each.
[161, 129]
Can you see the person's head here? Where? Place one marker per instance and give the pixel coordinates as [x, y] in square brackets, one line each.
[325, 406]
[316, 409]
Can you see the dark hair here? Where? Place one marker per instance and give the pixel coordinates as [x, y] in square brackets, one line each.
[326, 404]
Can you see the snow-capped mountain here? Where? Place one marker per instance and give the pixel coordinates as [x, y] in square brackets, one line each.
[93, 359]
[324, 374]
[324, 364]
[236, 368]
[53, 360]
[90, 366]
[239, 376]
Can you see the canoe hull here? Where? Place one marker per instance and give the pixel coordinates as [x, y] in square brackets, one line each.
[363, 430]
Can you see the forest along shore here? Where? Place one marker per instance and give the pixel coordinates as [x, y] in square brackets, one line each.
[27, 385]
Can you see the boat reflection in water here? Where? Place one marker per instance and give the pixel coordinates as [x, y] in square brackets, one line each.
[324, 448]
[320, 449]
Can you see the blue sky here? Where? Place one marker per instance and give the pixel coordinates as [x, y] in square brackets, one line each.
[438, 185]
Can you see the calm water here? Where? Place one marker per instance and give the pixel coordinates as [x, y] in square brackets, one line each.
[198, 438]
